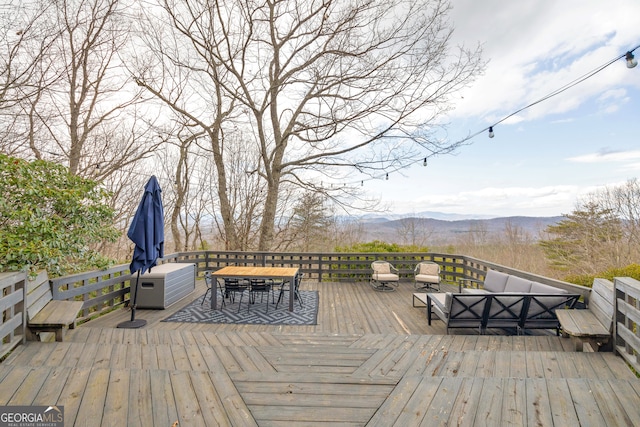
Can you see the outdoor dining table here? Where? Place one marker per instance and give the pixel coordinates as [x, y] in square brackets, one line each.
[281, 273]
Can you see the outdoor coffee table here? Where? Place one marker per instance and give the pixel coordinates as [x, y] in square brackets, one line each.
[281, 273]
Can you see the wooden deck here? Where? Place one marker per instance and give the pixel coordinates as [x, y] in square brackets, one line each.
[371, 360]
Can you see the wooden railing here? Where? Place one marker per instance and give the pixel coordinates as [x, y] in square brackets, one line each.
[104, 290]
[627, 320]
[12, 305]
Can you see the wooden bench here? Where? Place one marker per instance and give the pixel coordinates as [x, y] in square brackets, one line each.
[44, 314]
[593, 325]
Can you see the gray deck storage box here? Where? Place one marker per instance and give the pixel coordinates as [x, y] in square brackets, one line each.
[165, 284]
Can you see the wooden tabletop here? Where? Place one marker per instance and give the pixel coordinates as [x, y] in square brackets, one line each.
[234, 271]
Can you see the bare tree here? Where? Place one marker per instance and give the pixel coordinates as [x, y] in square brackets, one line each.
[323, 85]
[310, 221]
[25, 40]
[67, 97]
[515, 243]
[91, 94]
[624, 200]
[65, 90]
[183, 198]
[476, 236]
[345, 232]
[414, 231]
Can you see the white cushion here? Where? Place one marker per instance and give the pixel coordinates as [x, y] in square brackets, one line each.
[385, 277]
[441, 302]
[517, 284]
[427, 278]
[383, 268]
[474, 291]
[495, 281]
[428, 268]
[541, 288]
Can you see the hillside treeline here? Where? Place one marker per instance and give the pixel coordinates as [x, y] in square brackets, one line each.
[600, 237]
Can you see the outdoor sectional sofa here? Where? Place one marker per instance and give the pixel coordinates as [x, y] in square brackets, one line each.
[501, 301]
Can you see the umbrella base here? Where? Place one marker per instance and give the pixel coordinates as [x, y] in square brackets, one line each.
[132, 324]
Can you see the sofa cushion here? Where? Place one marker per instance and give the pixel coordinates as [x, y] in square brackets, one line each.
[541, 288]
[543, 307]
[441, 303]
[495, 281]
[385, 277]
[505, 310]
[467, 307]
[429, 268]
[517, 284]
[381, 268]
[474, 291]
[427, 278]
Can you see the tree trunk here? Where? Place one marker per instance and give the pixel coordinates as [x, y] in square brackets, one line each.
[177, 207]
[231, 241]
[269, 215]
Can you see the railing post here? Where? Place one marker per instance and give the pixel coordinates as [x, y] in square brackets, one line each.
[13, 299]
[626, 333]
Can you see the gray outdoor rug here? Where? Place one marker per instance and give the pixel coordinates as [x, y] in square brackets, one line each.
[196, 312]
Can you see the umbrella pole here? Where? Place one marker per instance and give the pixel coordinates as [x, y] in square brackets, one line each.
[133, 323]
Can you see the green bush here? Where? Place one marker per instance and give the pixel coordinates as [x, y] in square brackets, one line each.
[49, 218]
[378, 246]
[632, 270]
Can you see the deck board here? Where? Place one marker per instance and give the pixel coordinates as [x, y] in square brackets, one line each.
[371, 360]
[465, 406]
[115, 408]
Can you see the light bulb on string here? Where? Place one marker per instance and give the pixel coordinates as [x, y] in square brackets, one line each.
[631, 60]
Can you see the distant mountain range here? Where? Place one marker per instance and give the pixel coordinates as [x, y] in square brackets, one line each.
[442, 229]
[428, 214]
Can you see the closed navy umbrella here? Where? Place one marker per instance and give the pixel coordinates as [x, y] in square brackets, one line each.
[147, 232]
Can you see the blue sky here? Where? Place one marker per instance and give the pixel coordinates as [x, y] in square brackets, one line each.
[543, 160]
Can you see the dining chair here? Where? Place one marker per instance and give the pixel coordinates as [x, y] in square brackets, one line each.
[233, 286]
[208, 280]
[296, 291]
[260, 286]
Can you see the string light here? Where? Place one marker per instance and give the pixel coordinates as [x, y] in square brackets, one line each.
[631, 63]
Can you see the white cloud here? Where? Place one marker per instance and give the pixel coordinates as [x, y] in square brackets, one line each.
[503, 201]
[632, 167]
[536, 47]
[607, 156]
